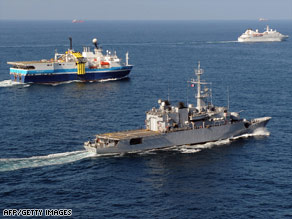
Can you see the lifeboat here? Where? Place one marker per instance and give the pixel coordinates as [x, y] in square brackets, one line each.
[104, 63]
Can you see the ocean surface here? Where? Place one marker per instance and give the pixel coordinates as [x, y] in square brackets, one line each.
[42, 161]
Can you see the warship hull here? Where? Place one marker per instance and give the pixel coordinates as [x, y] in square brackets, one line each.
[148, 140]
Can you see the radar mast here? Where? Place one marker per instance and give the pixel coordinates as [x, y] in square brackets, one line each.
[201, 95]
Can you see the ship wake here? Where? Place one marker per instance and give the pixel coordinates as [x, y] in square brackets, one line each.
[260, 132]
[220, 42]
[9, 83]
[10, 164]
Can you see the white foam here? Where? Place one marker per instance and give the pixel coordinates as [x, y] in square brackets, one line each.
[9, 83]
[261, 132]
[80, 81]
[257, 133]
[199, 147]
[111, 79]
[64, 82]
[9, 164]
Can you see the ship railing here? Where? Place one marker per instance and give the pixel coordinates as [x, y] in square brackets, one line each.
[179, 129]
[255, 121]
[200, 127]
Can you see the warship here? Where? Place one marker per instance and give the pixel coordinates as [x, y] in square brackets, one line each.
[170, 125]
[72, 66]
[269, 35]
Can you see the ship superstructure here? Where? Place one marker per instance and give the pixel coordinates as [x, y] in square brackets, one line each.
[269, 35]
[72, 65]
[170, 125]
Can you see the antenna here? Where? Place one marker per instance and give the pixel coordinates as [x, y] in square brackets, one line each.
[168, 91]
[228, 98]
[70, 39]
[211, 94]
[199, 72]
[127, 58]
[187, 93]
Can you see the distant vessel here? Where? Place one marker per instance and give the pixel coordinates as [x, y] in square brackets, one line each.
[178, 125]
[77, 21]
[263, 19]
[269, 35]
[70, 66]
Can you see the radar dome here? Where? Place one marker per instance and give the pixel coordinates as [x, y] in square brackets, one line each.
[94, 40]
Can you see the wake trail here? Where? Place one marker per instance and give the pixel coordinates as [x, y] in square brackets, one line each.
[189, 149]
[218, 42]
[9, 83]
[10, 164]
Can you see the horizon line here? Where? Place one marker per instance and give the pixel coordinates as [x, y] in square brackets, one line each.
[278, 19]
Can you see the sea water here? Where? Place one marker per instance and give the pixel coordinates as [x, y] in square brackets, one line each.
[43, 164]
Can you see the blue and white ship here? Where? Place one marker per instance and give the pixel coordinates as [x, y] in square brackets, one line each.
[72, 66]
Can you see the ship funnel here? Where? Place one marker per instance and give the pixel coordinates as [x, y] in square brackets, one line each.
[70, 38]
[94, 41]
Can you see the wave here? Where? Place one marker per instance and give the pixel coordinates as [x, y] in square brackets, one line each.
[260, 132]
[9, 83]
[80, 81]
[61, 83]
[110, 79]
[10, 164]
[189, 149]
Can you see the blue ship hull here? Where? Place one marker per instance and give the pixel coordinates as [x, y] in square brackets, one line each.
[26, 76]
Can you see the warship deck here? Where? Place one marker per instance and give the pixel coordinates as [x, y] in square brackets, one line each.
[139, 133]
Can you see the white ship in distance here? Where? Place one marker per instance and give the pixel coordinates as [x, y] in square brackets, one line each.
[269, 35]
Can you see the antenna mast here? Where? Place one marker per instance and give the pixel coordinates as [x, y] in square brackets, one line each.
[127, 58]
[201, 95]
[70, 39]
[168, 91]
[228, 98]
[187, 94]
[199, 72]
[211, 91]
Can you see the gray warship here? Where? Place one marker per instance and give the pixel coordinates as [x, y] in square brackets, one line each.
[169, 125]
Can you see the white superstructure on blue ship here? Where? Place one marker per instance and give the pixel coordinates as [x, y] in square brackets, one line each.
[86, 66]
